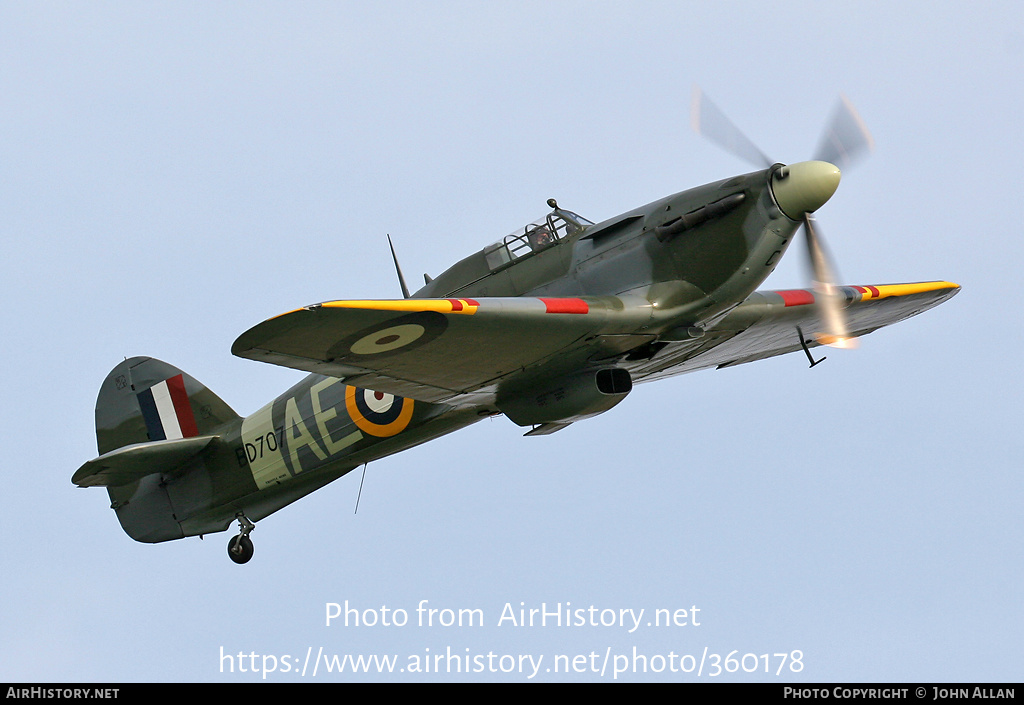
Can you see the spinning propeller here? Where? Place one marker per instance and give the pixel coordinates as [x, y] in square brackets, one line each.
[799, 190]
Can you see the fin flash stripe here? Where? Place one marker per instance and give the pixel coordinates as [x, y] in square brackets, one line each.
[166, 410]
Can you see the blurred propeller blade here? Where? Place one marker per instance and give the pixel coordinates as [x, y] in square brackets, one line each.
[846, 139]
[800, 189]
[827, 295]
[710, 122]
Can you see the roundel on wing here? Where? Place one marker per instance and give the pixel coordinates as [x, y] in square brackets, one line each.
[396, 335]
[378, 413]
[388, 339]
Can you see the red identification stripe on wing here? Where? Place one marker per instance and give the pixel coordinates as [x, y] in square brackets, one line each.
[566, 306]
[870, 291]
[463, 305]
[796, 297]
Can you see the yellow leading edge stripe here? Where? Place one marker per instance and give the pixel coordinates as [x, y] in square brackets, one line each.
[439, 305]
[887, 290]
[469, 306]
[465, 306]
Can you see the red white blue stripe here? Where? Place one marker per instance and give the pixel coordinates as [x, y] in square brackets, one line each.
[167, 412]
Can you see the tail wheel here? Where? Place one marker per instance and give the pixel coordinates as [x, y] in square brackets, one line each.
[240, 549]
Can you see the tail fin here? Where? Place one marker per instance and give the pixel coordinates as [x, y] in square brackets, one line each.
[151, 419]
[144, 399]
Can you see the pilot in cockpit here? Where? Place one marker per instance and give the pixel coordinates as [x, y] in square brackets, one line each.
[540, 238]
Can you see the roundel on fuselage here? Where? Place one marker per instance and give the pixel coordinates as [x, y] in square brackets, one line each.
[378, 413]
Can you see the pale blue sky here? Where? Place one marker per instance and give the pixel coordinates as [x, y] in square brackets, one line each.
[173, 173]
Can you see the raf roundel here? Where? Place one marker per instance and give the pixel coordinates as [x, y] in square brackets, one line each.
[398, 335]
[378, 413]
[388, 339]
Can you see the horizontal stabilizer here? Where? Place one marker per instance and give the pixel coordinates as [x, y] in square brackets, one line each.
[133, 462]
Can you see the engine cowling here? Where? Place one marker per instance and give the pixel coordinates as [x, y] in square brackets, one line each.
[568, 399]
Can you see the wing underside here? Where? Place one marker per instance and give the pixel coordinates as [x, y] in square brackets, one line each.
[434, 350]
[771, 323]
[444, 350]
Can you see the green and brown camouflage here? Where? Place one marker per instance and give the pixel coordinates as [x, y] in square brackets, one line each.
[548, 326]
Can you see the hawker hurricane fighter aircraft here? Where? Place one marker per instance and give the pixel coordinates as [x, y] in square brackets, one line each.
[550, 325]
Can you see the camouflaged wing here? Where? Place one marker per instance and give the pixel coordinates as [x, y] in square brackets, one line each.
[771, 323]
[429, 349]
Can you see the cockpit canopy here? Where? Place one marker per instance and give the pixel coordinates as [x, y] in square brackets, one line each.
[534, 237]
[486, 272]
